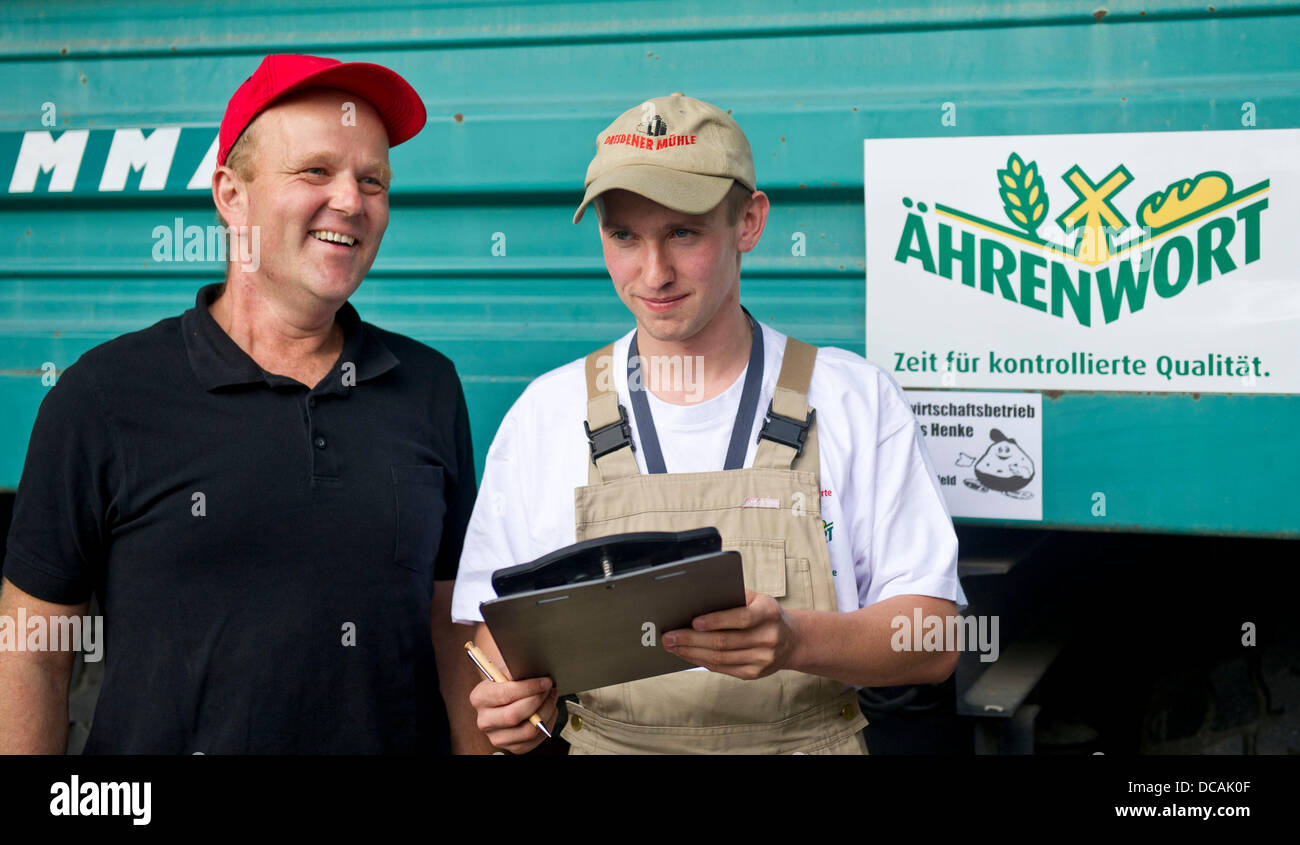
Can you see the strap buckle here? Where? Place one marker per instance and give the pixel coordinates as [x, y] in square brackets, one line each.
[787, 431]
[609, 438]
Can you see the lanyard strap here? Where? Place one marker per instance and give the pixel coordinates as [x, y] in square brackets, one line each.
[645, 424]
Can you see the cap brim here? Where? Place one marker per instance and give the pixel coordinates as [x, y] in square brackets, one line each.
[398, 104]
[689, 193]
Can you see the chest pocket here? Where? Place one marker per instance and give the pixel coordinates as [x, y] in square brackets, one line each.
[768, 570]
[420, 509]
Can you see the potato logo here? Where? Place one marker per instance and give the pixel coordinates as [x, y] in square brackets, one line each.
[1003, 467]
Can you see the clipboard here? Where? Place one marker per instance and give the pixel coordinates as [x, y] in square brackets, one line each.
[603, 628]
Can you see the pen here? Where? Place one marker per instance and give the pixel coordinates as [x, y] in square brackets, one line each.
[492, 673]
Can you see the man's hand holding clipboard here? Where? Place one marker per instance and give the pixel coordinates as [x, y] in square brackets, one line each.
[748, 642]
[589, 616]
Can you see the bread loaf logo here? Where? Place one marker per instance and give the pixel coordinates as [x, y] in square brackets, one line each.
[1091, 264]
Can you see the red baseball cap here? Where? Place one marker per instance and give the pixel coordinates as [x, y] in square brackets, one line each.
[399, 106]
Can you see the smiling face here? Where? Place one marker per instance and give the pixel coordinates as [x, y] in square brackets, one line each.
[675, 272]
[319, 196]
[1004, 465]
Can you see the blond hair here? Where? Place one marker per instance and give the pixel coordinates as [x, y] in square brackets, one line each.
[736, 200]
[242, 157]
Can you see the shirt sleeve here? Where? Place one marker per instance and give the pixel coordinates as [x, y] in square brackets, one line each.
[912, 547]
[67, 495]
[460, 492]
[499, 528]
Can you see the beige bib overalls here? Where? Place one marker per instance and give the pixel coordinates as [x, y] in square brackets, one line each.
[771, 514]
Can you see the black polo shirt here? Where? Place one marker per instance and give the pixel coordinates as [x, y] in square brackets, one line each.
[264, 553]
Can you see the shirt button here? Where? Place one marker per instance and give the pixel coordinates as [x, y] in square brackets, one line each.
[311, 401]
[575, 722]
[320, 442]
[847, 713]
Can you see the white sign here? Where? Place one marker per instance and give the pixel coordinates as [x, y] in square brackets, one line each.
[987, 450]
[1160, 261]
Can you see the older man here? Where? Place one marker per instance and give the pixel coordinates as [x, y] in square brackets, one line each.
[269, 495]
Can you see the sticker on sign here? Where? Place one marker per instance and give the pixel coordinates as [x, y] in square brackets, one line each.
[986, 450]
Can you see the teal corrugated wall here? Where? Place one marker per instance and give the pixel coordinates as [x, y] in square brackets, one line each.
[516, 93]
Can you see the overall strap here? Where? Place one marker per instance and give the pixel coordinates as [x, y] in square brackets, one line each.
[608, 432]
[789, 439]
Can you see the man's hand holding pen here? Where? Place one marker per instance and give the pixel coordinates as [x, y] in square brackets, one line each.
[514, 715]
[504, 708]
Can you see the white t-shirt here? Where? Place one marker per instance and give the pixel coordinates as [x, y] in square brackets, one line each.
[886, 523]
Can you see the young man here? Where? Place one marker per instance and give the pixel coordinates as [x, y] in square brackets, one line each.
[836, 513]
[268, 494]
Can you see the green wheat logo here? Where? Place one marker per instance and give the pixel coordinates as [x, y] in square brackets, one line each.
[1023, 197]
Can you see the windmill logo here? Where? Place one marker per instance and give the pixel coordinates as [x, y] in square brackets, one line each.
[1094, 212]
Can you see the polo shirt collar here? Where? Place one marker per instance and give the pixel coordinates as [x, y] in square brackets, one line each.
[219, 362]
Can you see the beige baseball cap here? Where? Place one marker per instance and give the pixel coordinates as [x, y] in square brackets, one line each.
[681, 152]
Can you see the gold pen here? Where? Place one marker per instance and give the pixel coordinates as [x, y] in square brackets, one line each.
[492, 673]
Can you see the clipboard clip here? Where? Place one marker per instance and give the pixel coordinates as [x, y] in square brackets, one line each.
[605, 557]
